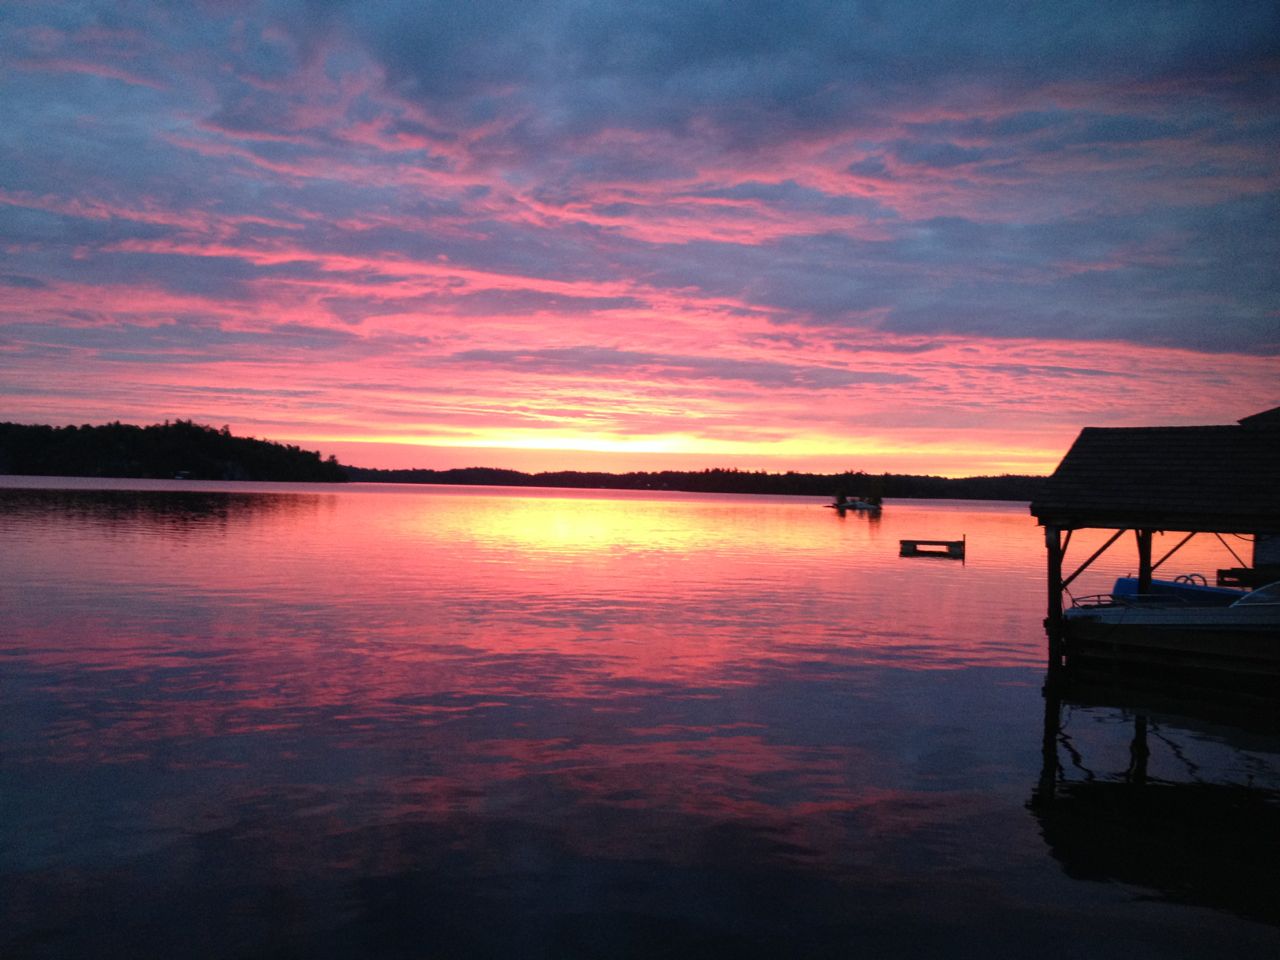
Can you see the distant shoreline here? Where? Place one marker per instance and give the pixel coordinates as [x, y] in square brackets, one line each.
[186, 450]
[148, 486]
[720, 480]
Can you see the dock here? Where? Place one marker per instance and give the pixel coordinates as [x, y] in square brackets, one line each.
[1212, 481]
[952, 549]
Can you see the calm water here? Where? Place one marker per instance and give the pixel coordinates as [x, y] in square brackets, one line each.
[286, 721]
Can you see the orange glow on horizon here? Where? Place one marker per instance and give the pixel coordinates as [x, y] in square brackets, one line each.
[817, 453]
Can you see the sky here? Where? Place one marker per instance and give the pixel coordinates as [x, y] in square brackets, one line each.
[931, 237]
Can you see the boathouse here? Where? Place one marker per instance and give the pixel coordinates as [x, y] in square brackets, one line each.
[1215, 480]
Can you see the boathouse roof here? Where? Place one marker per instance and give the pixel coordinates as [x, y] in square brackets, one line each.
[1223, 479]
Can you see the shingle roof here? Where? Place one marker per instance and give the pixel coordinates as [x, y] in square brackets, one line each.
[1223, 478]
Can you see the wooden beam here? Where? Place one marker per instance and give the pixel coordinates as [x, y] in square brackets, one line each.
[1173, 522]
[1096, 554]
[1230, 551]
[1181, 543]
[1144, 560]
[1053, 620]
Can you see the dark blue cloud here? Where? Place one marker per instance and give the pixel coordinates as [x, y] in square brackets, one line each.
[630, 364]
[936, 153]
[791, 196]
[1197, 276]
[194, 341]
[1096, 170]
[28, 283]
[516, 302]
[756, 68]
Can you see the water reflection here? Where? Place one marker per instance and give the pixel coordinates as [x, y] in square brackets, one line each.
[1185, 808]
[415, 722]
[168, 512]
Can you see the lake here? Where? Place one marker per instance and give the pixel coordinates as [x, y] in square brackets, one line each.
[256, 720]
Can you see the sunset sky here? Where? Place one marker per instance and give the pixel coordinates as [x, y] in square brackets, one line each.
[933, 237]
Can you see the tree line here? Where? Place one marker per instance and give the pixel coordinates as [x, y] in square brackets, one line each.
[161, 451]
[183, 448]
[720, 480]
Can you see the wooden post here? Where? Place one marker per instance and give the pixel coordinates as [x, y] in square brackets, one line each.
[1045, 790]
[1144, 561]
[1139, 752]
[1053, 621]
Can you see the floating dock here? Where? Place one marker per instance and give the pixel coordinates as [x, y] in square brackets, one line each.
[952, 549]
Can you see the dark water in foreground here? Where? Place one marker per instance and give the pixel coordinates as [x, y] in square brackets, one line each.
[450, 722]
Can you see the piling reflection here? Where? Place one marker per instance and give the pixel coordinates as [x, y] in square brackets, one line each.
[1180, 805]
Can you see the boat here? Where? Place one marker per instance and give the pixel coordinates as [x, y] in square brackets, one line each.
[1241, 635]
[1255, 612]
[842, 504]
[1189, 587]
